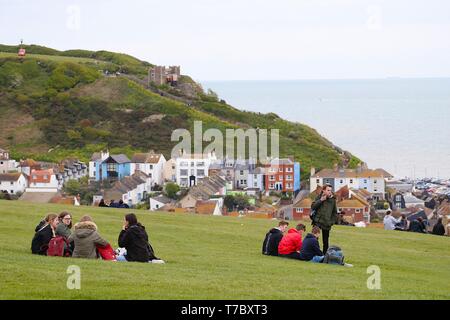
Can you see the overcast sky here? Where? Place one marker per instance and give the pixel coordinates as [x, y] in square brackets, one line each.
[248, 40]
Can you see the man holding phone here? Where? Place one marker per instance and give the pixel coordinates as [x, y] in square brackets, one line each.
[326, 213]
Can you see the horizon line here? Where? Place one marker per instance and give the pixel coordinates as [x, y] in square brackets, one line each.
[328, 79]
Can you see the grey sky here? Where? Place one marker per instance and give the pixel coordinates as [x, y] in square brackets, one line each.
[235, 40]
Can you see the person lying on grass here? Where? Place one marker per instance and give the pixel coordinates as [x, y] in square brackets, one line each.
[134, 239]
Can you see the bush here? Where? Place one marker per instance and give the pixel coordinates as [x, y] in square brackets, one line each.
[171, 189]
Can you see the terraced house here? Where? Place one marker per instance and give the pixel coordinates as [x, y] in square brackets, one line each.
[104, 166]
[373, 181]
[151, 163]
[282, 175]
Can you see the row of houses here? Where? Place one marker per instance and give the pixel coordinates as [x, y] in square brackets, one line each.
[32, 176]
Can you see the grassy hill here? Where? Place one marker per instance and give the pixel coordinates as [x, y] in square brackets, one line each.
[218, 258]
[55, 104]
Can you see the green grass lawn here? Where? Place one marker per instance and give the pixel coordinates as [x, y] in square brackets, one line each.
[218, 258]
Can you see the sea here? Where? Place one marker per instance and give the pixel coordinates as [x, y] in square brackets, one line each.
[399, 124]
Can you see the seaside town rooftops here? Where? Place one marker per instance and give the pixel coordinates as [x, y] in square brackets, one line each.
[163, 199]
[150, 157]
[10, 176]
[351, 203]
[28, 163]
[347, 173]
[118, 158]
[305, 203]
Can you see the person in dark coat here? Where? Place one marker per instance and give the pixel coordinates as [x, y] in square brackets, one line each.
[134, 239]
[123, 205]
[42, 237]
[418, 226]
[102, 203]
[112, 204]
[273, 238]
[438, 228]
[326, 213]
[310, 248]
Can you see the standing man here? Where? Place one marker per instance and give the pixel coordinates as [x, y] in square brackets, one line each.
[326, 213]
[273, 238]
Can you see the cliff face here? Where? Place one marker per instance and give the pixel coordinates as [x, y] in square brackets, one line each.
[56, 104]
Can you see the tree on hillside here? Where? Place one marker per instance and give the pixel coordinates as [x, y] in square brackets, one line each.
[171, 189]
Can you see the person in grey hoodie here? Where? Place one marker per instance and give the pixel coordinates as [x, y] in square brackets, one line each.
[65, 224]
[85, 238]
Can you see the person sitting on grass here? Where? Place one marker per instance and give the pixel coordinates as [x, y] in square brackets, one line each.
[134, 239]
[86, 238]
[311, 248]
[123, 205]
[403, 224]
[438, 228]
[42, 237]
[389, 221]
[291, 244]
[64, 225]
[342, 221]
[273, 238]
[418, 226]
[102, 204]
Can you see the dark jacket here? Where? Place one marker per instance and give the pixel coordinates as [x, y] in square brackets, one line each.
[417, 226]
[40, 225]
[42, 237]
[326, 213]
[271, 241]
[86, 239]
[135, 240]
[310, 248]
[63, 230]
[438, 229]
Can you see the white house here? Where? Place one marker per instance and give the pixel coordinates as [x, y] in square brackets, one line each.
[132, 190]
[152, 164]
[255, 179]
[96, 157]
[170, 170]
[13, 183]
[372, 181]
[7, 164]
[43, 181]
[192, 168]
[159, 202]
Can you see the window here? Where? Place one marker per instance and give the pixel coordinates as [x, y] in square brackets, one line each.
[375, 190]
[183, 172]
[192, 163]
[255, 184]
[358, 210]
[201, 164]
[351, 181]
[201, 172]
[398, 198]
[255, 176]
[365, 180]
[318, 181]
[34, 177]
[184, 164]
[288, 169]
[157, 206]
[12, 183]
[12, 191]
[110, 167]
[151, 167]
[272, 178]
[375, 181]
[192, 172]
[45, 177]
[288, 177]
[241, 172]
[271, 186]
[289, 185]
[280, 169]
[341, 181]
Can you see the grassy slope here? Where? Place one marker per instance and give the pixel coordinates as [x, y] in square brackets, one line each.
[218, 258]
[34, 93]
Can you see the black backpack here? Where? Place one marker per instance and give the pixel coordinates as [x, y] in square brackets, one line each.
[334, 255]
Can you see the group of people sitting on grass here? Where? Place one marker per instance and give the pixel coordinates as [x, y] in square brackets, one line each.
[417, 225]
[113, 204]
[54, 236]
[292, 244]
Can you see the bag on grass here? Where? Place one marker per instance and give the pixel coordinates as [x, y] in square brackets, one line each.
[106, 252]
[58, 247]
[334, 255]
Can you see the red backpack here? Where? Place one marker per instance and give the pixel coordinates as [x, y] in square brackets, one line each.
[58, 247]
[106, 252]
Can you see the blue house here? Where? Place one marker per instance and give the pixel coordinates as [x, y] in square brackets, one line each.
[114, 167]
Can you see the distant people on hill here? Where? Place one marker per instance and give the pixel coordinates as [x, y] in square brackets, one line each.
[86, 238]
[291, 244]
[123, 205]
[113, 204]
[342, 221]
[439, 228]
[65, 225]
[418, 226]
[134, 239]
[326, 214]
[389, 221]
[102, 203]
[44, 234]
[402, 224]
[273, 238]
[311, 248]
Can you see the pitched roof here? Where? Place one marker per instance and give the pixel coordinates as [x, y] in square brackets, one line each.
[205, 207]
[162, 199]
[10, 176]
[150, 157]
[119, 158]
[384, 173]
[305, 203]
[350, 203]
[28, 163]
[347, 173]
